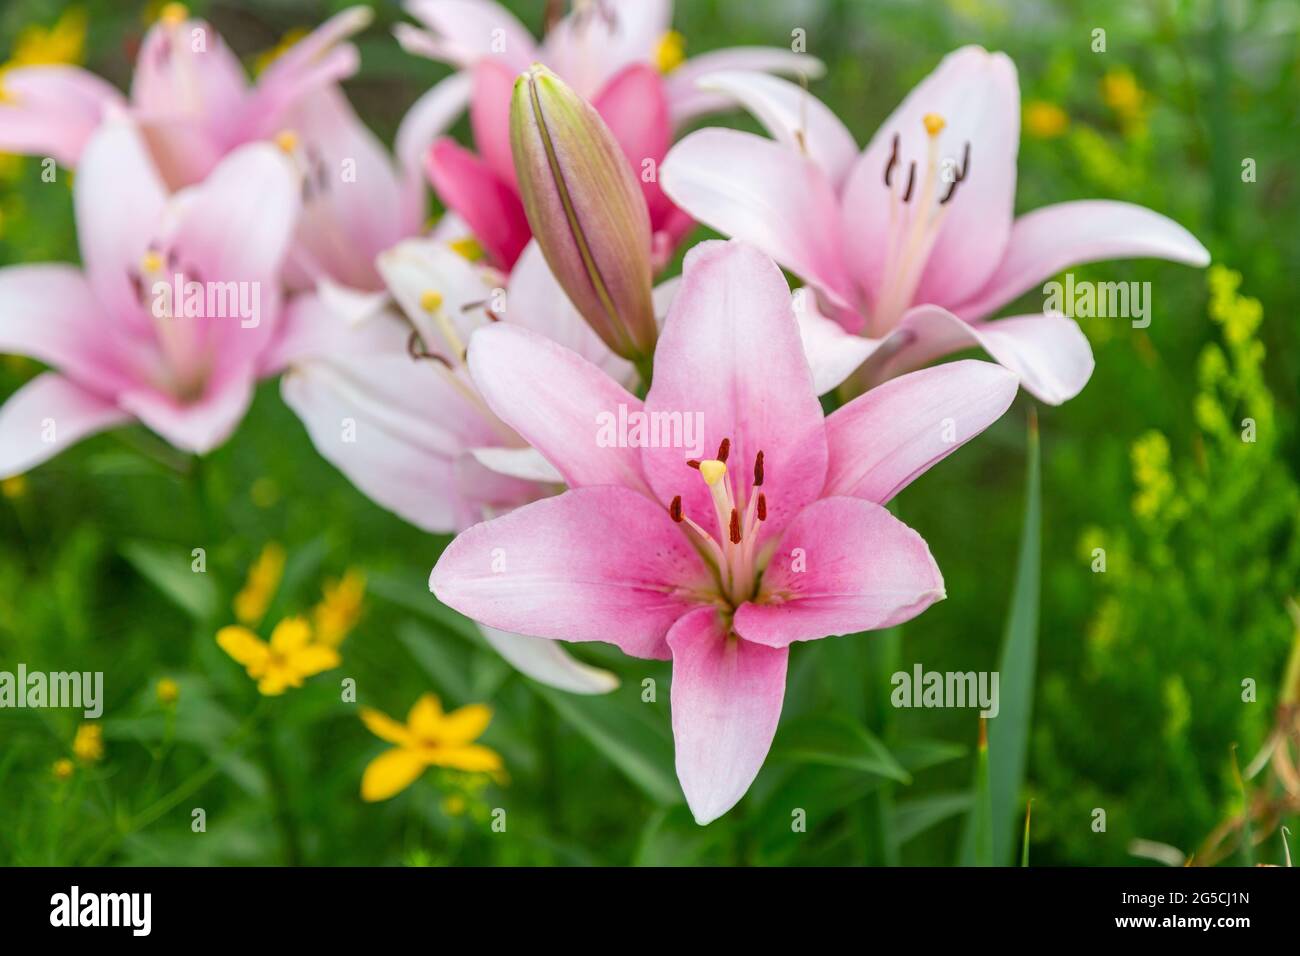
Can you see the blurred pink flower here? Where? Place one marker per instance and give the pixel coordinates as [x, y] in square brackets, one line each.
[125, 346]
[718, 565]
[912, 244]
[611, 54]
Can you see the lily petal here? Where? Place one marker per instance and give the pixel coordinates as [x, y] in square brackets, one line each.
[833, 354]
[487, 203]
[47, 415]
[858, 569]
[561, 568]
[466, 31]
[558, 401]
[726, 703]
[549, 663]
[890, 435]
[763, 192]
[1048, 240]
[1049, 353]
[53, 110]
[687, 101]
[730, 358]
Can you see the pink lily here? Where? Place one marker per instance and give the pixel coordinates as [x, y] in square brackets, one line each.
[390, 403]
[123, 346]
[912, 244]
[611, 54]
[717, 564]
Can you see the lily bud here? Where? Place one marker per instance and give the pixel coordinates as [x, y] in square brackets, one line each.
[586, 210]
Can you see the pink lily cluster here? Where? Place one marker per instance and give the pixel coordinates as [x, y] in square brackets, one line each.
[457, 376]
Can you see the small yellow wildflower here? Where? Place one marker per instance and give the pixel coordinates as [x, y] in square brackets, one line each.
[263, 579]
[429, 738]
[340, 608]
[168, 691]
[1045, 120]
[289, 659]
[670, 51]
[14, 487]
[63, 768]
[1121, 92]
[65, 42]
[88, 744]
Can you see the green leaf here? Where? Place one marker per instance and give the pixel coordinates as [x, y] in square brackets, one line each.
[631, 743]
[838, 742]
[914, 817]
[446, 661]
[1008, 734]
[167, 567]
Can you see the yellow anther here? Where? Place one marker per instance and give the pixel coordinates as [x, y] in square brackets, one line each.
[174, 14]
[287, 140]
[670, 51]
[151, 263]
[431, 301]
[934, 123]
[712, 471]
[467, 247]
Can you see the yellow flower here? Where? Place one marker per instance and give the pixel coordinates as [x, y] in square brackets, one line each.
[289, 659]
[65, 42]
[670, 51]
[1045, 120]
[88, 744]
[14, 487]
[63, 768]
[429, 738]
[263, 578]
[340, 608]
[168, 691]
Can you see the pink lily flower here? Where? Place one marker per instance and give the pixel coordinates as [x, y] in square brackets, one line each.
[717, 564]
[390, 403]
[621, 57]
[911, 245]
[125, 346]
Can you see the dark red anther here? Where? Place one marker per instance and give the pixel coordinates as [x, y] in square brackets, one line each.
[758, 469]
[735, 526]
[694, 463]
[911, 181]
[893, 161]
[762, 507]
[724, 450]
[675, 509]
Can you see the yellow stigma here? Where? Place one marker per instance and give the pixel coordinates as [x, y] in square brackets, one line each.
[934, 123]
[670, 51]
[151, 263]
[287, 140]
[174, 14]
[430, 300]
[467, 247]
[712, 471]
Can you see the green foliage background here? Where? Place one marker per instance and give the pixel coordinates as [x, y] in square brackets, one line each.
[1138, 693]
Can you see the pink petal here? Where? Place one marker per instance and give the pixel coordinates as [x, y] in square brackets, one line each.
[428, 118]
[194, 426]
[303, 56]
[632, 105]
[793, 116]
[726, 702]
[977, 95]
[47, 415]
[687, 101]
[465, 31]
[1048, 240]
[53, 110]
[490, 207]
[843, 565]
[1049, 353]
[884, 439]
[557, 401]
[594, 564]
[489, 117]
[119, 201]
[177, 77]
[48, 312]
[548, 662]
[730, 357]
[833, 354]
[765, 193]
[415, 267]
